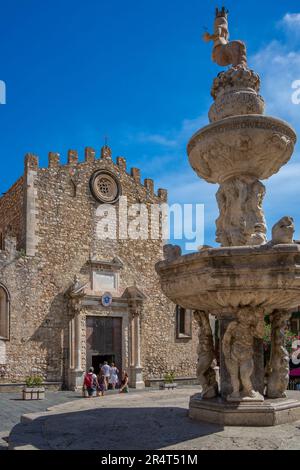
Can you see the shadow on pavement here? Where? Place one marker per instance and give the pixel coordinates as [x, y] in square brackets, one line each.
[111, 429]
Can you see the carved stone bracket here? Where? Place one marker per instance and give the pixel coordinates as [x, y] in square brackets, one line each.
[75, 295]
[135, 299]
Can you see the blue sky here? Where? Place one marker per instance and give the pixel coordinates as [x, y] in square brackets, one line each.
[138, 72]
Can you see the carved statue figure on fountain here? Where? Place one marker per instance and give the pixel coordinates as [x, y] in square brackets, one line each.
[278, 366]
[206, 356]
[238, 352]
[225, 52]
[241, 220]
[283, 231]
[171, 252]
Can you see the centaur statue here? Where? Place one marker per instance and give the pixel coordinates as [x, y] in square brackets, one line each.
[225, 52]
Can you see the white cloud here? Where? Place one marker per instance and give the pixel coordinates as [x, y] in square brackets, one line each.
[175, 138]
[278, 64]
[278, 67]
[291, 20]
[156, 139]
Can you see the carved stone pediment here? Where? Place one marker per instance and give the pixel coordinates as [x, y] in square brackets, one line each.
[134, 293]
[135, 299]
[114, 265]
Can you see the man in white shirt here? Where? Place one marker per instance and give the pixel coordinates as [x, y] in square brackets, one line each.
[105, 369]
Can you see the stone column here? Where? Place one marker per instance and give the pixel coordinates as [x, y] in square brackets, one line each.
[131, 341]
[78, 342]
[136, 369]
[137, 341]
[75, 364]
[71, 344]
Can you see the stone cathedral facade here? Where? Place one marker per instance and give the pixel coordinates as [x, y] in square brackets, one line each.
[70, 299]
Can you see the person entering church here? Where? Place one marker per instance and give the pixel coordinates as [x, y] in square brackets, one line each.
[105, 370]
[113, 378]
[101, 384]
[90, 383]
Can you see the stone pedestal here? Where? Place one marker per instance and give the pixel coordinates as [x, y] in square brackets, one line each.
[75, 381]
[248, 413]
[136, 378]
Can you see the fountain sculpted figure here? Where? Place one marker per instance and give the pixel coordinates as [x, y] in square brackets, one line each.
[206, 356]
[171, 252]
[225, 52]
[278, 367]
[283, 231]
[238, 352]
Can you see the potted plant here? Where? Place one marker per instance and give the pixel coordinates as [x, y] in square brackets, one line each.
[169, 381]
[34, 389]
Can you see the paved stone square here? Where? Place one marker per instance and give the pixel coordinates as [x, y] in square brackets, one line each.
[145, 420]
[12, 407]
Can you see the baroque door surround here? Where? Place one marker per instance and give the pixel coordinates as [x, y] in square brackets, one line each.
[129, 306]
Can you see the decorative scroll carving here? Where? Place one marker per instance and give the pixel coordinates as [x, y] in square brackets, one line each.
[241, 220]
[278, 366]
[238, 352]
[75, 294]
[206, 356]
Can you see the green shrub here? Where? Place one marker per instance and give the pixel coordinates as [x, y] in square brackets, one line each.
[169, 377]
[34, 381]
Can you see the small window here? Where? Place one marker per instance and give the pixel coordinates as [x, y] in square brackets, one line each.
[183, 322]
[4, 313]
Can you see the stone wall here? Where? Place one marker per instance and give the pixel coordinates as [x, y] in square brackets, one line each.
[12, 212]
[66, 239]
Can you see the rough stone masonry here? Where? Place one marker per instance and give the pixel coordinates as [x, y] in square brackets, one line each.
[48, 228]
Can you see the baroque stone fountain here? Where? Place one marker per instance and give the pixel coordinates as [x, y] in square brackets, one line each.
[247, 277]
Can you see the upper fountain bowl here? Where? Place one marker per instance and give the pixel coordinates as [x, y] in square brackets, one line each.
[253, 144]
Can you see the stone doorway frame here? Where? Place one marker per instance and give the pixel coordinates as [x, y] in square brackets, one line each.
[129, 306]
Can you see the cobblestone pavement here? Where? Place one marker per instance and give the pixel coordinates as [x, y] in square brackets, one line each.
[12, 407]
[144, 420]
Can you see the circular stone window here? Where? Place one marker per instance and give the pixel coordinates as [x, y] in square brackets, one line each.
[105, 187]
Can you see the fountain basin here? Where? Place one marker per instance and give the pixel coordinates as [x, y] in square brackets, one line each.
[219, 280]
[253, 144]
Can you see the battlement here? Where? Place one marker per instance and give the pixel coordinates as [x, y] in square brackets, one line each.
[90, 156]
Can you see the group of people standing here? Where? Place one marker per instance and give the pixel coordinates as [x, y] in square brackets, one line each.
[108, 376]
